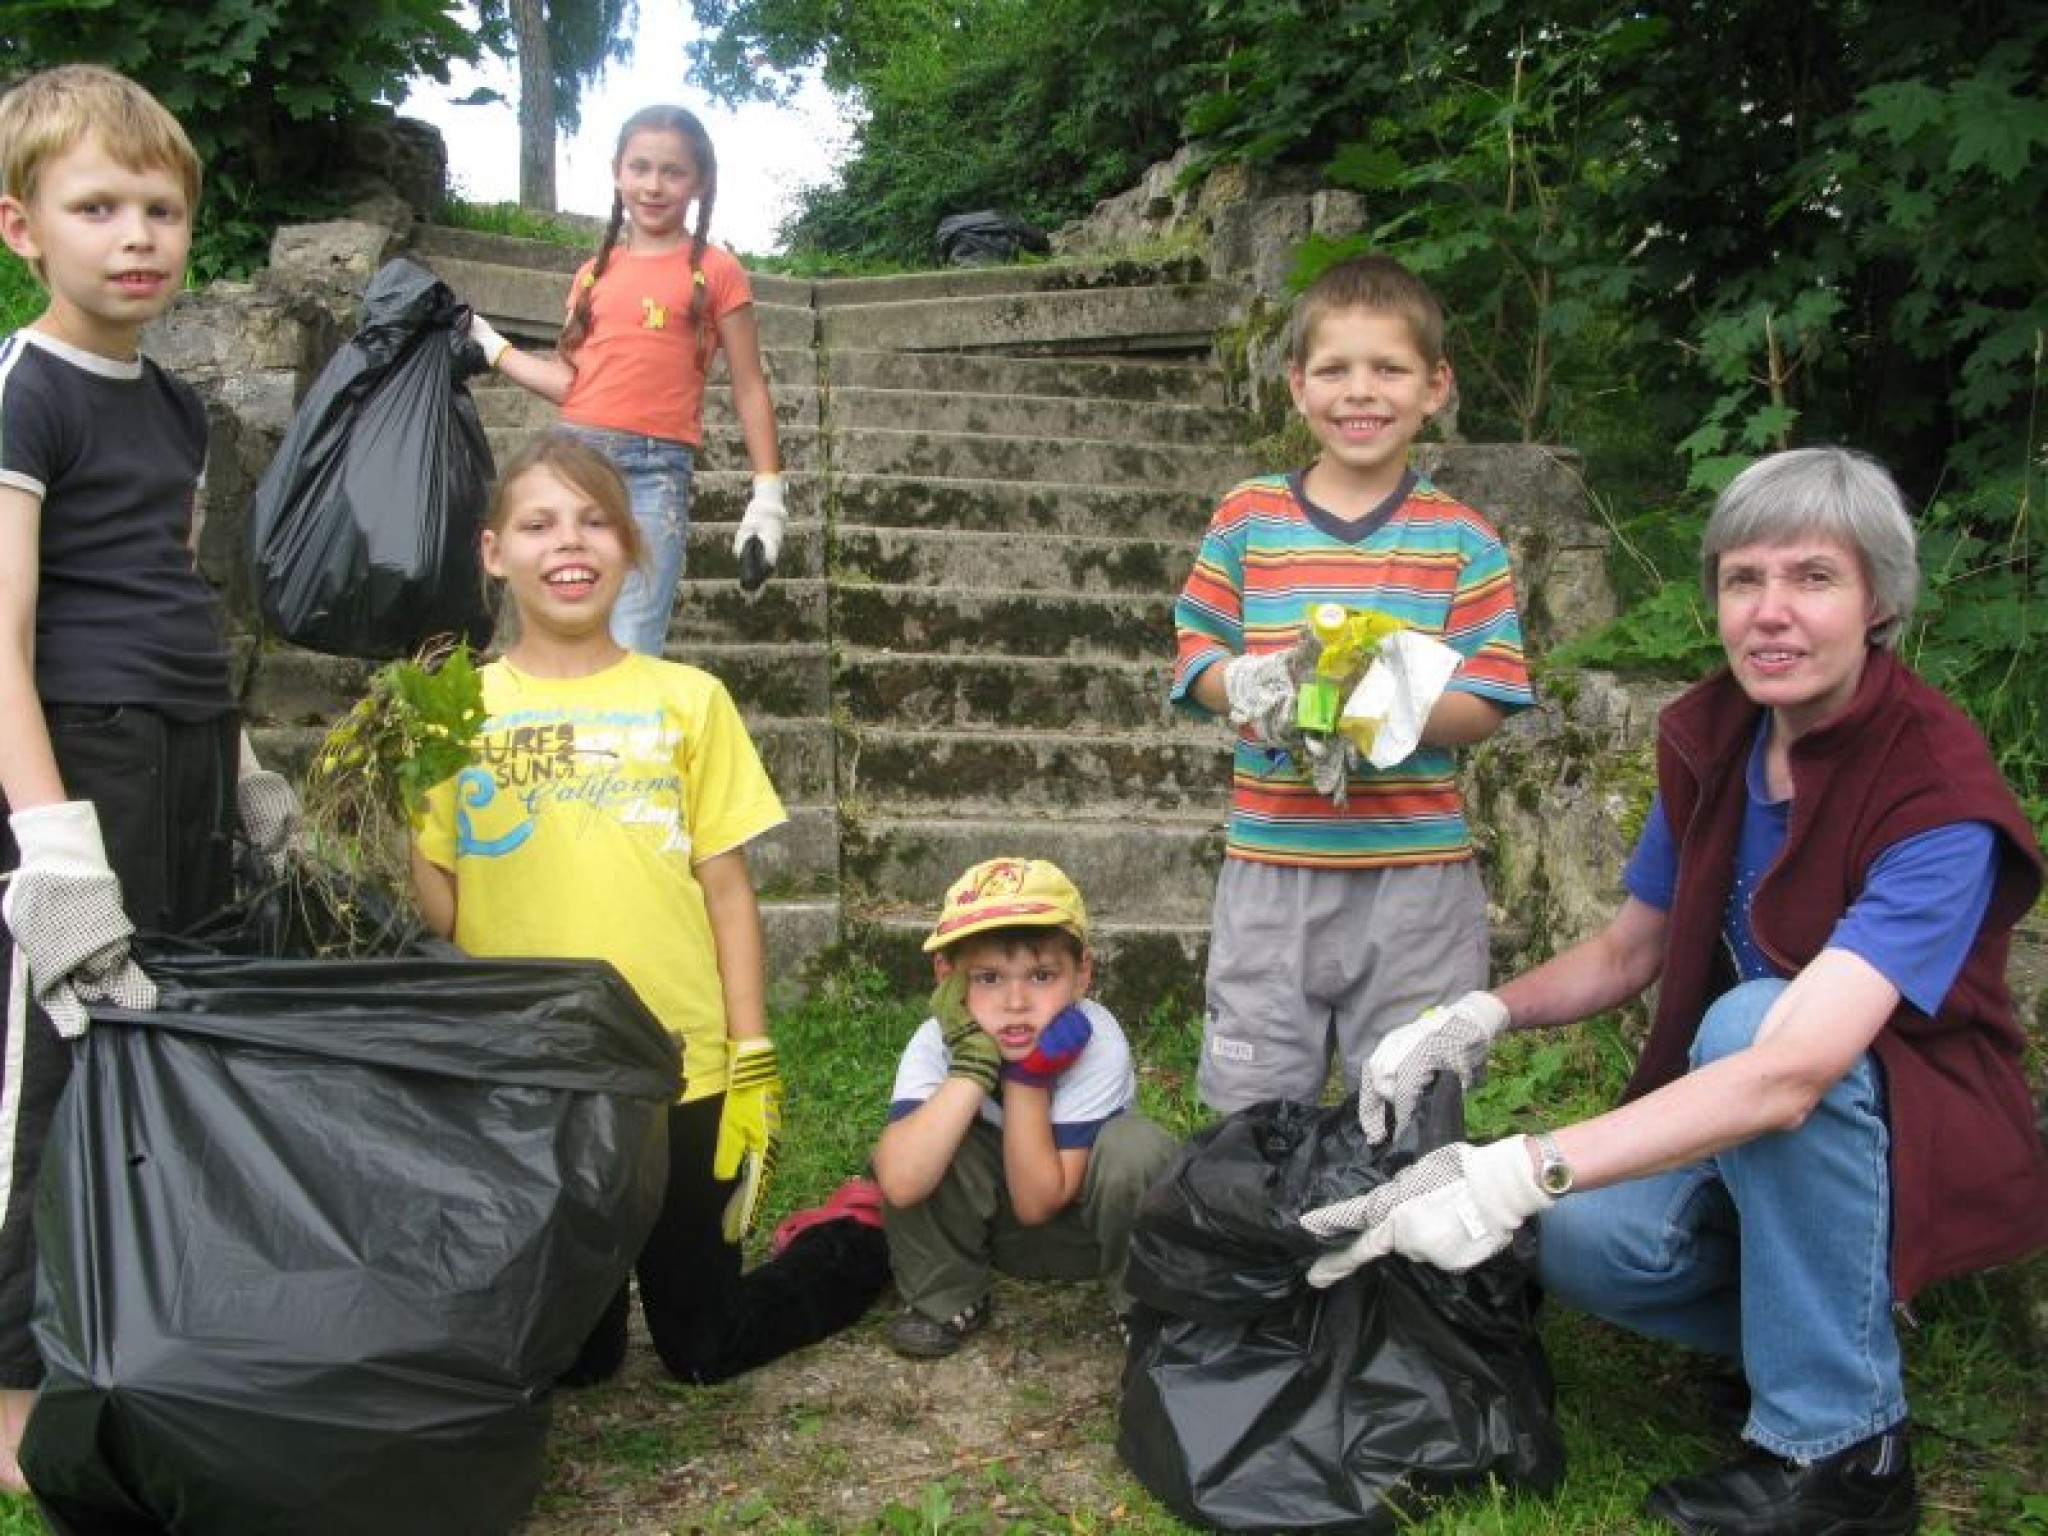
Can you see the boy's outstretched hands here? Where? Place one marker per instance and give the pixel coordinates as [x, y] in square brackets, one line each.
[63, 906]
[1453, 1038]
[1058, 1047]
[1455, 1208]
[971, 1051]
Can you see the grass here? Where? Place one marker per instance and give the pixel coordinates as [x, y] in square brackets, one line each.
[845, 1438]
[21, 296]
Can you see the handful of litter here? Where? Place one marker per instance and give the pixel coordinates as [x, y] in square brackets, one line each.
[1367, 694]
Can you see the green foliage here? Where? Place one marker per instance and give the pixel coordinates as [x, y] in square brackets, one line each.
[512, 219]
[583, 36]
[1037, 107]
[367, 785]
[267, 90]
[21, 296]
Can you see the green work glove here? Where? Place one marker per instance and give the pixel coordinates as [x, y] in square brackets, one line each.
[971, 1051]
[749, 1131]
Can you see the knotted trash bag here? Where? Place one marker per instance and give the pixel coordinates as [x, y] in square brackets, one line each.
[316, 1238]
[1255, 1402]
[987, 237]
[363, 539]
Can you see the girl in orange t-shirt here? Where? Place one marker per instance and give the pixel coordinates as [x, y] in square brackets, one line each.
[646, 315]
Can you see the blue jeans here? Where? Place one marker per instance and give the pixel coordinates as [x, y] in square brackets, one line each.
[1776, 1252]
[657, 475]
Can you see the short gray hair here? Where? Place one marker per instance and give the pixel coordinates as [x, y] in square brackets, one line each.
[1834, 492]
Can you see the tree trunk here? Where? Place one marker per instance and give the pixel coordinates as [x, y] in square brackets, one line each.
[536, 106]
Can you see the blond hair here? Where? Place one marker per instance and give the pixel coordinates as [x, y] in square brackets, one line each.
[51, 113]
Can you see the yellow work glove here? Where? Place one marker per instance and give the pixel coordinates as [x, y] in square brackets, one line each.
[749, 1131]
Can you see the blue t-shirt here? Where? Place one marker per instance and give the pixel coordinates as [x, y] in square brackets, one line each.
[1914, 920]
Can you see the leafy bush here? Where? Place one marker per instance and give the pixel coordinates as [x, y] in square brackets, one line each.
[267, 90]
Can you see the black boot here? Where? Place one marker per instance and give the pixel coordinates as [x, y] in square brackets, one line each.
[1865, 1490]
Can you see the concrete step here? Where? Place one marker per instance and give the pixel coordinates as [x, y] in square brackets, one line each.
[768, 680]
[992, 456]
[479, 247]
[800, 447]
[524, 303]
[1045, 508]
[796, 931]
[1182, 319]
[1012, 413]
[1094, 773]
[987, 373]
[1020, 279]
[1159, 870]
[985, 622]
[501, 404]
[800, 858]
[887, 688]
[945, 558]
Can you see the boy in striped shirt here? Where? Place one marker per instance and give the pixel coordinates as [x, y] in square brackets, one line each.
[1340, 918]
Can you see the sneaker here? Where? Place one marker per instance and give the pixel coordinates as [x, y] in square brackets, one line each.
[1865, 1490]
[929, 1338]
[858, 1199]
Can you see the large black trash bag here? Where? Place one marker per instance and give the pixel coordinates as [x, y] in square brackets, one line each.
[987, 237]
[363, 537]
[317, 1237]
[1254, 1402]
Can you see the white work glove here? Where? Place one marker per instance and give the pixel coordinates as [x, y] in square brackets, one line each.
[758, 540]
[1454, 1038]
[1455, 1208]
[487, 339]
[63, 906]
[269, 811]
[1260, 691]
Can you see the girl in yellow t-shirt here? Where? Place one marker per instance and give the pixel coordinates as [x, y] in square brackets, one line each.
[607, 816]
[646, 315]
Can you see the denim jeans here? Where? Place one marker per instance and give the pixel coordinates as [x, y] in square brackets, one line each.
[657, 474]
[1776, 1252]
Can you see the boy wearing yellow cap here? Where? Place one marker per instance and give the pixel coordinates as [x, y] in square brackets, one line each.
[1013, 1142]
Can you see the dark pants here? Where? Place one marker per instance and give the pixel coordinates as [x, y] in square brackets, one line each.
[710, 1322]
[164, 792]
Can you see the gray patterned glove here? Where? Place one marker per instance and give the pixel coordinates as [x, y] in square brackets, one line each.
[1455, 1208]
[271, 817]
[63, 906]
[1454, 1038]
[1261, 690]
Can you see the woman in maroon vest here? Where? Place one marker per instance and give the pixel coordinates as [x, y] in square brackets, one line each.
[1830, 1110]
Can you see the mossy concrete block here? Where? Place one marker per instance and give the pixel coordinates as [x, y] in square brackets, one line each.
[1004, 623]
[1014, 412]
[1182, 383]
[992, 773]
[1029, 693]
[1075, 461]
[952, 558]
[1021, 509]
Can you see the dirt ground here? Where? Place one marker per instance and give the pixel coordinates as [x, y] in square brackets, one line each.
[1022, 1420]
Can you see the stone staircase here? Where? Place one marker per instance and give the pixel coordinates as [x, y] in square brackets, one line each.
[997, 481]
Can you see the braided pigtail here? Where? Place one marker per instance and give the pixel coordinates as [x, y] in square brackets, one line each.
[577, 328]
[700, 292]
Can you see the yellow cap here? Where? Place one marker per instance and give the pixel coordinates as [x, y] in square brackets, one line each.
[1009, 893]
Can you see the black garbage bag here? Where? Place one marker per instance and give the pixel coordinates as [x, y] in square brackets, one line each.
[1254, 1402]
[317, 1237]
[363, 536]
[987, 237]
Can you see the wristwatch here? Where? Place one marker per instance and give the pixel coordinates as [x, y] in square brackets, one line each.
[1553, 1173]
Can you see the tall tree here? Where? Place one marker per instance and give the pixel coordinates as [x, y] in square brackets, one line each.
[560, 47]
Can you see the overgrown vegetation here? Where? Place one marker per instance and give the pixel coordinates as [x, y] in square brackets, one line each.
[268, 92]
